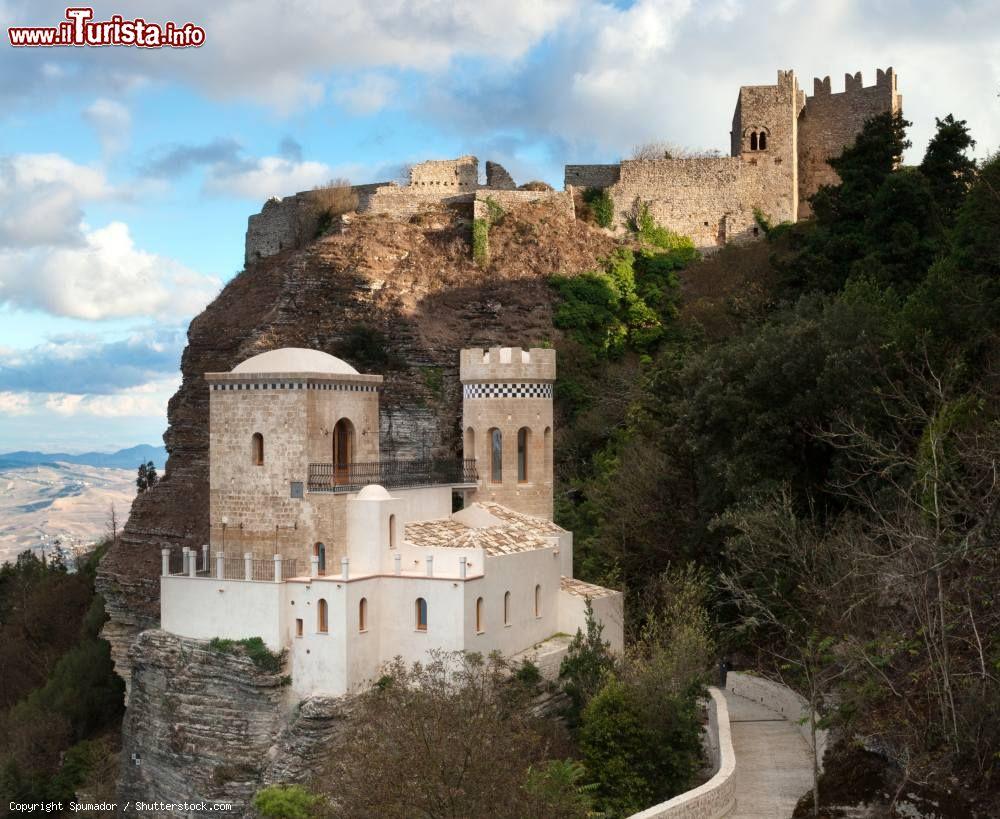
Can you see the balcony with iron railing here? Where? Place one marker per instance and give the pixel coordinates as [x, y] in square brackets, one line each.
[392, 474]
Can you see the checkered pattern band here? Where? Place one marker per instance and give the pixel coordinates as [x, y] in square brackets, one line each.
[507, 391]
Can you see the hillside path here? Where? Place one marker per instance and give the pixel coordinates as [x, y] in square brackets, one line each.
[773, 762]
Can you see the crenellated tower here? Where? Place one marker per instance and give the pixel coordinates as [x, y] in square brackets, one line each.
[507, 423]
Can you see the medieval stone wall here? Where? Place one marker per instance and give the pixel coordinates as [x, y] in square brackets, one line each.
[561, 200]
[590, 176]
[830, 122]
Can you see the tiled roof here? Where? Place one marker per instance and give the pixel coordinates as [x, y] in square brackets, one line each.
[509, 516]
[495, 540]
[581, 589]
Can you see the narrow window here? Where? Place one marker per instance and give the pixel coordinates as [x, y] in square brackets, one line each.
[547, 477]
[298, 626]
[322, 620]
[762, 144]
[392, 531]
[469, 445]
[257, 449]
[538, 601]
[421, 614]
[756, 231]
[506, 609]
[522, 454]
[319, 551]
[363, 614]
[496, 456]
[753, 141]
[479, 616]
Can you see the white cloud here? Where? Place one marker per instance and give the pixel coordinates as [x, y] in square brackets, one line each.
[368, 94]
[13, 403]
[105, 277]
[144, 401]
[41, 198]
[266, 176]
[112, 122]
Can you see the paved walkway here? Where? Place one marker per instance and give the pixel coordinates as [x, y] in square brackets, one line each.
[773, 762]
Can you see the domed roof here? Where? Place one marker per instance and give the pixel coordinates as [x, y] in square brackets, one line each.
[295, 360]
[374, 491]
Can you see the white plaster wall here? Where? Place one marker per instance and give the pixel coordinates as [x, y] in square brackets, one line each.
[608, 610]
[203, 608]
[518, 574]
[318, 660]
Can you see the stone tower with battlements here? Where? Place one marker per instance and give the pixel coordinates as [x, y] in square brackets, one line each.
[507, 423]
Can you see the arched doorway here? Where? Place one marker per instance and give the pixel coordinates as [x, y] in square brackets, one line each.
[319, 550]
[343, 450]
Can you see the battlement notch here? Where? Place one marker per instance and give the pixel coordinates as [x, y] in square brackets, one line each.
[507, 364]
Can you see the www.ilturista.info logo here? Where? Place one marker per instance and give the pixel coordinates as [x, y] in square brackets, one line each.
[80, 29]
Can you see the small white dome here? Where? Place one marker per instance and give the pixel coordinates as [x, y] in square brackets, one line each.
[295, 360]
[374, 492]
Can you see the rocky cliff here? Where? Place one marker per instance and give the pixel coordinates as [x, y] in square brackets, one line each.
[399, 299]
[205, 726]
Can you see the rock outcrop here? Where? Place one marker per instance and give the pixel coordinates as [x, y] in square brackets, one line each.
[207, 726]
[399, 299]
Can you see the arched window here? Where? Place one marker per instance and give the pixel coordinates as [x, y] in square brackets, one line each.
[343, 450]
[762, 141]
[496, 456]
[506, 609]
[257, 449]
[363, 614]
[469, 444]
[523, 434]
[392, 531]
[753, 141]
[538, 601]
[319, 550]
[421, 614]
[547, 477]
[480, 626]
[322, 617]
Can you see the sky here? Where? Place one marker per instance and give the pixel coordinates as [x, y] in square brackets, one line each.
[127, 174]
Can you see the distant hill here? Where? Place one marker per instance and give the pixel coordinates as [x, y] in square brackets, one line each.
[122, 459]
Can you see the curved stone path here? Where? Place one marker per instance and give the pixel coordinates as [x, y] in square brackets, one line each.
[773, 761]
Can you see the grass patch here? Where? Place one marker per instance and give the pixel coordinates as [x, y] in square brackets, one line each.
[481, 242]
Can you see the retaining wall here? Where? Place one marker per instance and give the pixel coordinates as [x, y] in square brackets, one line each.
[782, 699]
[717, 797]
[562, 200]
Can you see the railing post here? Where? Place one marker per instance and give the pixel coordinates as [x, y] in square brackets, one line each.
[204, 558]
[193, 563]
[220, 565]
[247, 566]
[277, 568]
[314, 566]
[430, 565]
[185, 554]
[345, 565]
[165, 562]
[461, 566]
[398, 560]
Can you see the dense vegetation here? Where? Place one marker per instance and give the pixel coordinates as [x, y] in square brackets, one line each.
[814, 421]
[60, 701]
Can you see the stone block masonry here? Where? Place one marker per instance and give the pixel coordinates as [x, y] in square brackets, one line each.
[781, 142]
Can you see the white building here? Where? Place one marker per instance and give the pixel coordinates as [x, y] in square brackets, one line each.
[347, 560]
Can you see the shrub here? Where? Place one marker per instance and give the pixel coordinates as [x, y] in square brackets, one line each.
[585, 665]
[601, 205]
[331, 201]
[254, 648]
[535, 185]
[286, 802]
[558, 790]
[481, 242]
[494, 211]
[649, 232]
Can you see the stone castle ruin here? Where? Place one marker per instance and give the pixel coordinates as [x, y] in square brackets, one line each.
[780, 144]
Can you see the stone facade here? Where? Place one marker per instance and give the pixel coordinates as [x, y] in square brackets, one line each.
[779, 146]
[829, 122]
[507, 199]
[295, 413]
[505, 391]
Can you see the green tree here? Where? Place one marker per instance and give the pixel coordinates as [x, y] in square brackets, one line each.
[587, 662]
[947, 166]
[147, 477]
